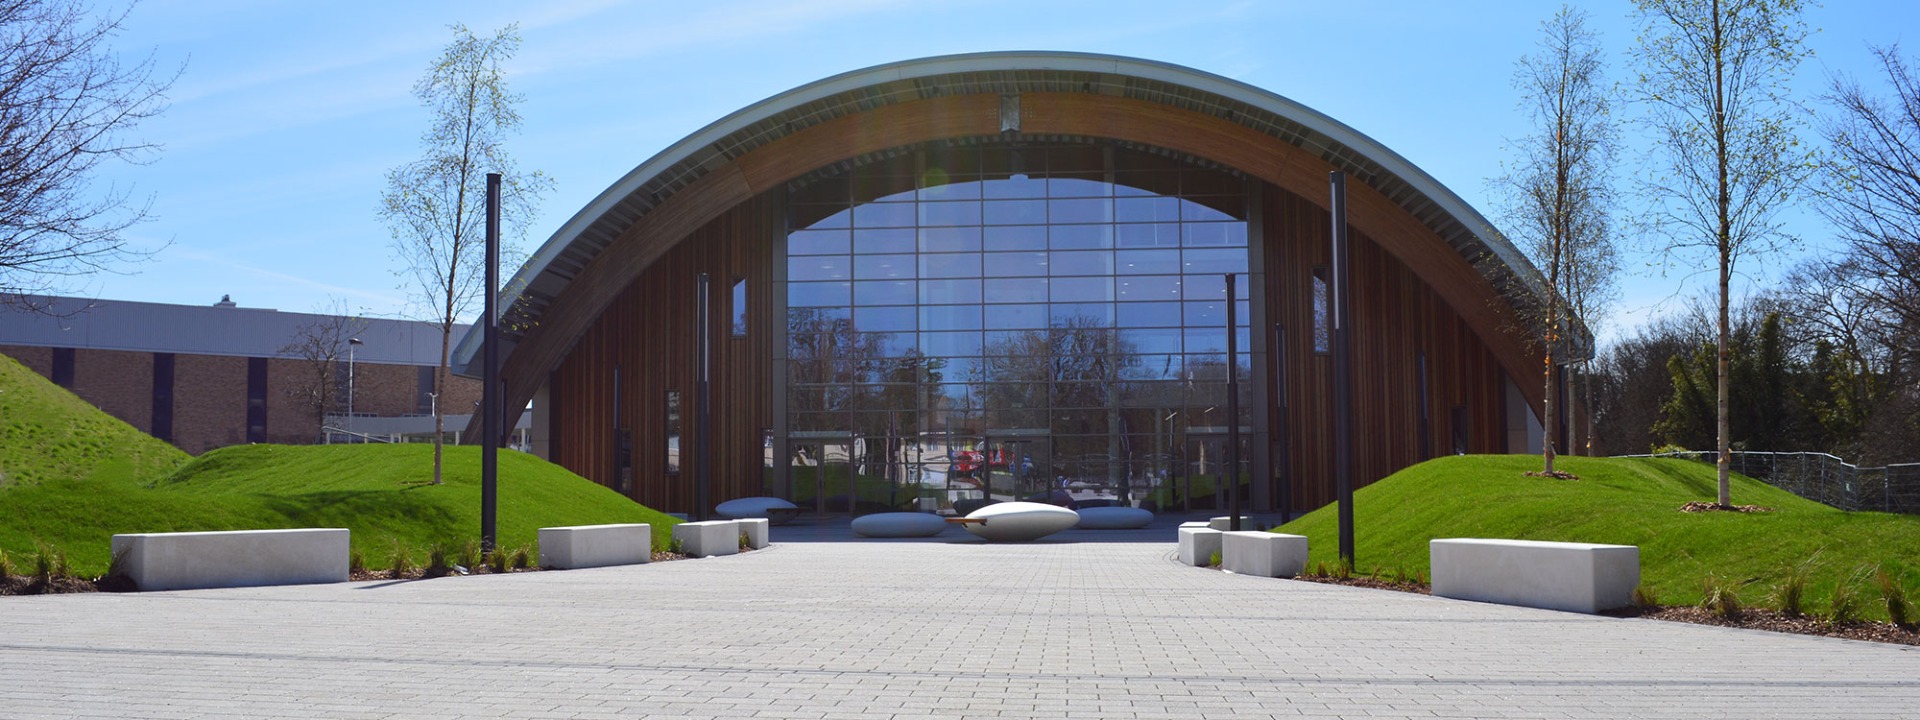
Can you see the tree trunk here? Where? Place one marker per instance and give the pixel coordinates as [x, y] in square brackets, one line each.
[439, 408]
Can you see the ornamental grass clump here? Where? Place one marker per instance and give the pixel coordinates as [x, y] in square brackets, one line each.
[6, 565]
[1894, 594]
[356, 562]
[1790, 598]
[469, 555]
[402, 563]
[1645, 598]
[1720, 597]
[438, 560]
[522, 558]
[497, 560]
[1843, 606]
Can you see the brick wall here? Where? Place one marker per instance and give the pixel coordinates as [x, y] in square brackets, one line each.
[210, 393]
[209, 402]
[37, 359]
[121, 383]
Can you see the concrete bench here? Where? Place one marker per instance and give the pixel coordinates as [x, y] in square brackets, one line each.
[1263, 554]
[1198, 544]
[710, 538]
[585, 546]
[1580, 577]
[756, 530]
[1224, 523]
[240, 558]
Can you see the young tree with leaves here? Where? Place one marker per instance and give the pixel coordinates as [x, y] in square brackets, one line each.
[1560, 188]
[436, 206]
[66, 105]
[1714, 75]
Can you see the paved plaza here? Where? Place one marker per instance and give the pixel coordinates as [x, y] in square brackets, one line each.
[1076, 626]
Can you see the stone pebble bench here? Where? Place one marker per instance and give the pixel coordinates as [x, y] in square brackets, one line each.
[235, 558]
[1578, 577]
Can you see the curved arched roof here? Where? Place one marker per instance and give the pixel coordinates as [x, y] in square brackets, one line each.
[583, 237]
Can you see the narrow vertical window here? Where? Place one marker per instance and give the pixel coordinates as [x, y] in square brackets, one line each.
[739, 307]
[1322, 322]
[161, 423]
[673, 432]
[256, 400]
[62, 367]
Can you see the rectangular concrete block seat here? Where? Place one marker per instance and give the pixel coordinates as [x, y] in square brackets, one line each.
[756, 530]
[1198, 544]
[709, 538]
[1263, 554]
[1224, 523]
[1578, 577]
[585, 546]
[237, 558]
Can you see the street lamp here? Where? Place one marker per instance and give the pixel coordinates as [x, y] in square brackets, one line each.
[352, 343]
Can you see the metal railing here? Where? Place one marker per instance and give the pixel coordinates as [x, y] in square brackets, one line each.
[1825, 479]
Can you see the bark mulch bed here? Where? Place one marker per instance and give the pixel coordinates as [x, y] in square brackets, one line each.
[25, 585]
[1750, 619]
[1700, 506]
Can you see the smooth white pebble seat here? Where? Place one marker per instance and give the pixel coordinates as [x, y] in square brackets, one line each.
[1020, 521]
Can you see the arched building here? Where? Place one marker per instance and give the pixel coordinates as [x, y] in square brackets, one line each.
[1003, 274]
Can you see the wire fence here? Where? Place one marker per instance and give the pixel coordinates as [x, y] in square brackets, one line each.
[1826, 479]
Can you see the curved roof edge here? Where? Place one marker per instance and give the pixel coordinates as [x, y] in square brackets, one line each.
[579, 240]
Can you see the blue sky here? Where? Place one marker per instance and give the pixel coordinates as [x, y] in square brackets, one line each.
[288, 114]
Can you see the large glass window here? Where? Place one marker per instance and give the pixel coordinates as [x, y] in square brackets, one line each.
[1011, 321]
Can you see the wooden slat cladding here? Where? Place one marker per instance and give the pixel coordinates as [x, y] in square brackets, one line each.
[1256, 154]
[648, 333]
[1396, 317]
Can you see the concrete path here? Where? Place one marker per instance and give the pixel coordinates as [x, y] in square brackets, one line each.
[951, 628]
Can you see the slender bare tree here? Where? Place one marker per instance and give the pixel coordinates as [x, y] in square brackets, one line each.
[67, 102]
[436, 206]
[320, 345]
[1560, 187]
[1713, 76]
[1871, 188]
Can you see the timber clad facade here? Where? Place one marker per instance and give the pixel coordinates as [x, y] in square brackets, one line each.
[949, 268]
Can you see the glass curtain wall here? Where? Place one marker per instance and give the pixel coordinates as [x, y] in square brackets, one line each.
[1013, 322]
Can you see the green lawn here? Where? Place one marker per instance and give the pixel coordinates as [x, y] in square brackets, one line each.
[74, 477]
[1628, 501]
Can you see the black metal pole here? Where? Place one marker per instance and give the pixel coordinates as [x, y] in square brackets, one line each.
[1342, 369]
[1283, 449]
[490, 400]
[1233, 412]
[703, 417]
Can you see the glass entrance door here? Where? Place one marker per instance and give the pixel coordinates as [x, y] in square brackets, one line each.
[1018, 466]
[1204, 482]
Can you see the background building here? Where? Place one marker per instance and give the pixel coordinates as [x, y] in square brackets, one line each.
[203, 377]
[1002, 274]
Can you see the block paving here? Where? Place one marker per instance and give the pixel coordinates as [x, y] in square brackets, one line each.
[1064, 628]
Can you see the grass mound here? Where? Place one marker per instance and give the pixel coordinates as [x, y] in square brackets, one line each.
[49, 434]
[72, 476]
[1629, 501]
[380, 492]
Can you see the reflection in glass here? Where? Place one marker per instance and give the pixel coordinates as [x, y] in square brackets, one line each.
[1006, 322]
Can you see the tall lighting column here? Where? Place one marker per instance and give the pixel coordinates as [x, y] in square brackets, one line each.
[1232, 472]
[490, 400]
[352, 344]
[1342, 367]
